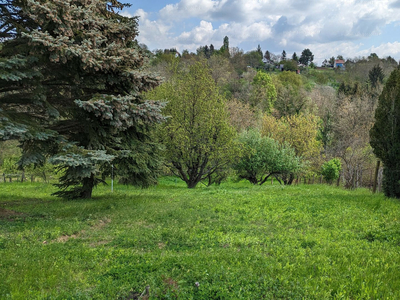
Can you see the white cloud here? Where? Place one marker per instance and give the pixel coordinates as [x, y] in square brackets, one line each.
[296, 24]
[387, 49]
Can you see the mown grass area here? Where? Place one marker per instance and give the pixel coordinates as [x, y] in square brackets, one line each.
[236, 241]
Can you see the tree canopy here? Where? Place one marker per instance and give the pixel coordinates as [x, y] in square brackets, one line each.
[198, 138]
[264, 157]
[71, 77]
[306, 57]
[385, 134]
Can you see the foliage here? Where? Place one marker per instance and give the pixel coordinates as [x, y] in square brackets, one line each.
[295, 57]
[241, 115]
[198, 138]
[254, 59]
[290, 65]
[10, 165]
[376, 76]
[264, 157]
[291, 94]
[385, 134]
[264, 92]
[352, 118]
[283, 55]
[70, 84]
[306, 57]
[331, 170]
[8, 149]
[300, 131]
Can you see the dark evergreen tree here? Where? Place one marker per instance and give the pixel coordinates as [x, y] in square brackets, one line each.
[306, 57]
[225, 45]
[283, 55]
[259, 51]
[385, 134]
[224, 50]
[267, 56]
[71, 77]
[212, 49]
[376, 76]
[207, 53]
[295, 57]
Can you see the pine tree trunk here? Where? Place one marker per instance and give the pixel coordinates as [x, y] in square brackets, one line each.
[87, 187]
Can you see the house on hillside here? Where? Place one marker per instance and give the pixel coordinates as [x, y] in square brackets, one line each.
[339, 63]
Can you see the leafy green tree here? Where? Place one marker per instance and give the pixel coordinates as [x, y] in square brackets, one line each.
[70, 90]
[283, 55]
[264, 157]
[331, 170]
[306, 57]
[385, 134]
[264, 92]
[340, 57]
[253, 59]
[289, 65]
[198, 138]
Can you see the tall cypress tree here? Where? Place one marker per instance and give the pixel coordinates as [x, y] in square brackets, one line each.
[385, 134]
[71, 77]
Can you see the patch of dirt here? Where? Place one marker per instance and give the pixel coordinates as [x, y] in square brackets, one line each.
[101, 224]
[98, 226]
[64, 238]
[99, 243]
[138, 296]
[9, 215]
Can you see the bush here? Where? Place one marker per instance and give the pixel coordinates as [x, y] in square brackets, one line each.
[265, 157]
[331, 169]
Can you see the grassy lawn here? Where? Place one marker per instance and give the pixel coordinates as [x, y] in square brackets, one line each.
[235, 241]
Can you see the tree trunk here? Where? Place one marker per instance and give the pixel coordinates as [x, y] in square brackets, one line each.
[378, 163]
[338, 180]
[87, 187]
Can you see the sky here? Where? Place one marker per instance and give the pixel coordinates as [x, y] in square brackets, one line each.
[351, 28]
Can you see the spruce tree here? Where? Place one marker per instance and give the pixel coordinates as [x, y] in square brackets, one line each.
[71, 77]
[376, 76]
[385, 134]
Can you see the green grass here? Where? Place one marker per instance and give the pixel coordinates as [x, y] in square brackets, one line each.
[237, 241]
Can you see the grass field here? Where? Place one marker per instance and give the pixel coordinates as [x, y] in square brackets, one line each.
[235, 241]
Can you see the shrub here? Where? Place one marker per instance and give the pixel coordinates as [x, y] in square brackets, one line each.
[331, 169]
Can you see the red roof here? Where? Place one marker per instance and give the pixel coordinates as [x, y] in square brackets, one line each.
[339, 61]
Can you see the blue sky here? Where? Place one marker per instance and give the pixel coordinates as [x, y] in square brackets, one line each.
[351, 28]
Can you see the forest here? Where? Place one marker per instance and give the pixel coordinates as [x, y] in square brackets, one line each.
[229, 114]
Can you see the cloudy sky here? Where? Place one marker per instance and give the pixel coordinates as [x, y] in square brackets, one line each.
[328, 28]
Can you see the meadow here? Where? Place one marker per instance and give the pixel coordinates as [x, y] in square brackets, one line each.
[234, 241]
